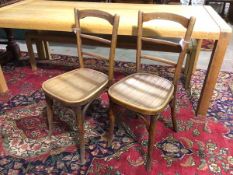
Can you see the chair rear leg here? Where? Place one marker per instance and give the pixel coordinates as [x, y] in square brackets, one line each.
[111, 122]
[49, 103]
[187, 60]
[153, 120]
[80, 125]
[173, 113]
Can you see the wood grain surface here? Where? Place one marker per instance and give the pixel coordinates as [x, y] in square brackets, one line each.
[58, 16]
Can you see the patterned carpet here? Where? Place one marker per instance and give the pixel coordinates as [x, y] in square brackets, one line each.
[207, 44]
[200, 147]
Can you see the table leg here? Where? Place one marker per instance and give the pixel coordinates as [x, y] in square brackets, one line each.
[3, 85]
[214, 67]
[12, 47]
[47, 50]
[192, 63]
[41, 47]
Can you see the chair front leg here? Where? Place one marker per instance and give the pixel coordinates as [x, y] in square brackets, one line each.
[151, 139]
[111, 122]
[80, 125]
[49, 104]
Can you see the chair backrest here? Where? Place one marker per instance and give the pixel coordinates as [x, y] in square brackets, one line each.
[181, 47]
[113, 20]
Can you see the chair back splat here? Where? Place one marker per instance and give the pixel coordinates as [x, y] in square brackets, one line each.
[113, 20]
[180, 47]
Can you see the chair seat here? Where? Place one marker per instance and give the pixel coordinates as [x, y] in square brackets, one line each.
[77, 86]
[142, 92]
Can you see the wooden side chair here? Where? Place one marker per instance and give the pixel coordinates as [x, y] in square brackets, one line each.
[78, 88]
[146, 93]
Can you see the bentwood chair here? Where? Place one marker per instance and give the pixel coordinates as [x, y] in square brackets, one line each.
[146, 93]
[78, 88]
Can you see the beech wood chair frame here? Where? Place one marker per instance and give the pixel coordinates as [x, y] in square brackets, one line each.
[179, 47]
[81, 107]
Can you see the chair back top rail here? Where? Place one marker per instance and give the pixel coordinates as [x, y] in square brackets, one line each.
[166, 16]
[113, 20]
[95, 13]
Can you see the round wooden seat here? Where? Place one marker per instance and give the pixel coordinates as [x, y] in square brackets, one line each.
[76, 86]
[145, 93]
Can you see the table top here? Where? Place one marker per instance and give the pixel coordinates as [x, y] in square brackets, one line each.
[59, 16]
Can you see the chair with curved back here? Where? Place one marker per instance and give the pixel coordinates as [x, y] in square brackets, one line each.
[78, 88]
[146, 93]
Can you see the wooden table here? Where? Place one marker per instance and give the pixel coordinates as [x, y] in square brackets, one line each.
[59, 16]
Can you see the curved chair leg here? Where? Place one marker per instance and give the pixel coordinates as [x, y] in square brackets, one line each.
[151, 139]
[49, 103]
[111, 123]
[173, 113]
[80, 125]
